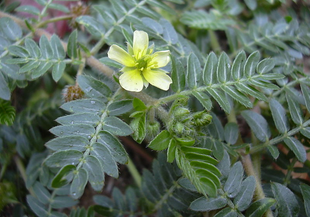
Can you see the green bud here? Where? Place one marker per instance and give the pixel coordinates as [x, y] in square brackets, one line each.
[181, 112]
[201, 119]
[179, 128]
[153, 129]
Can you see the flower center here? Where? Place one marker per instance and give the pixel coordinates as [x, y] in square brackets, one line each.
[142, 63]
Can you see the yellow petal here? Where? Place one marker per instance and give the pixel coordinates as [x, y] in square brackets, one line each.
[158, 78]
[120, 55]
[140, 43]
[131, 80]
[160, 59]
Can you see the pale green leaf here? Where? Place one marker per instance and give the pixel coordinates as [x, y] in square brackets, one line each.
[204, 99]
[193, 74]
[295, 110]
[5, 92]
[120, 107]
[83, 130]
[93, 87]
[81, 118]
[238, 96]
[58, 70]
[78, 143]
[233, 184]
[60, 202]
[58, 50]
[95, 172]
[78, 184]
[84, 106]
[161, 141]
[28, 9]
[238, 66]
[36, 206]
[62, 158]
[32, 48]
[41, 192]
[10, 29]
[223, 68]
[220, 97]
[251, 63]
[116, 126]
[72, 45]
[209, 71]
[204, 204]
[296, 146]
[305, 190]
[231, 133]
[245, 195]
[177, 75]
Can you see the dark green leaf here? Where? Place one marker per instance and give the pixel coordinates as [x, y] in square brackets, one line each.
[279, 116]
[193, 74]
[258, 208]
[258, 125]
[138, 105]
[227, 212]
[251, 63]
[161, 141]
[93, 87]
[95, 172]
[244, 197]
[116, 126]
[63, 177]
[295, 110]
[177, 75]
[209, 71]
[78, 143]
[62, 158]
[60, 202]
[273, 151]
[296, 146]
[120, 107]
[233, 184]
[116, 148]
[204, 204]
[305, 190]
[7, 113]
[287, 205]
[204, 99]
[78, 184]
[306, 94]
[72, 45]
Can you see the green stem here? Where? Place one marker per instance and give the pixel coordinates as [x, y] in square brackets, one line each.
[215, 45]
[52, 20]
[21, 168]
[134, 172]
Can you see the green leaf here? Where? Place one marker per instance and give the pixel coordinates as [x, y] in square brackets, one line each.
[204, 204]
[12, 71]
[204, 99]
[46, 49]
[258, 125]
[78, 184]
[72, 45]
[62, 158]
[171, 151]
[63, 177]
[245, 195]
[36, 206]
[18, 51]
[7, 113]
[258, 208]
[306, 93]
[93, 87]
[295, 111]
[273, 151]
[58, 70]
[251, 63]
[265, 66]
[28, 9]
[152, 24]
[177, 75]
[193, 74]
[227, 212]
[59, 7]
[209, 70]
[120, 107]
[58, 50]
[60, 202]
[223, 66]
[239, 97]
[263, 84]
[238, 66]
[233, 184]
[161, 141]
[32, 48]
[305, 131]
[91, 24]
[305, 190]
[287, 205]
[138, 105]
[95, 172]
[296, 146]
[10, 29]
[5, 92]
[116, 148]
[84, 106]
[169, 34]
[279, 116]
[41, 69]
[231, 133]
[116, 126]
[252, 4]
[80, 118]
[107, 161]
[78, 143]
[41, 192]
[83, 130]
[29, 66]
[220, 97]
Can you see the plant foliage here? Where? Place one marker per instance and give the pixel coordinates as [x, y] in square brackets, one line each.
[230, 137]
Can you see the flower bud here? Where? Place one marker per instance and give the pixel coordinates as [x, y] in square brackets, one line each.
[71, 93]
[153, 129]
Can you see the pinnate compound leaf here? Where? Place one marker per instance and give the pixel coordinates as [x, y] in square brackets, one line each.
[296, 146]
[245, 195]
[161, 141]
[258, 125]
[279, 116]
[287, 204]
[62, 158]
[78, 184]
[305, 190]
[204, 204]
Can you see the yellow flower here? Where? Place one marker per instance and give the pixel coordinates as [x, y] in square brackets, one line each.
[141, 65]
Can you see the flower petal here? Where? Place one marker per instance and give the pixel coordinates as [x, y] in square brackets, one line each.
[140, 43]
[120, 55]
[131, 80]
[160, 59]
[158, 78]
